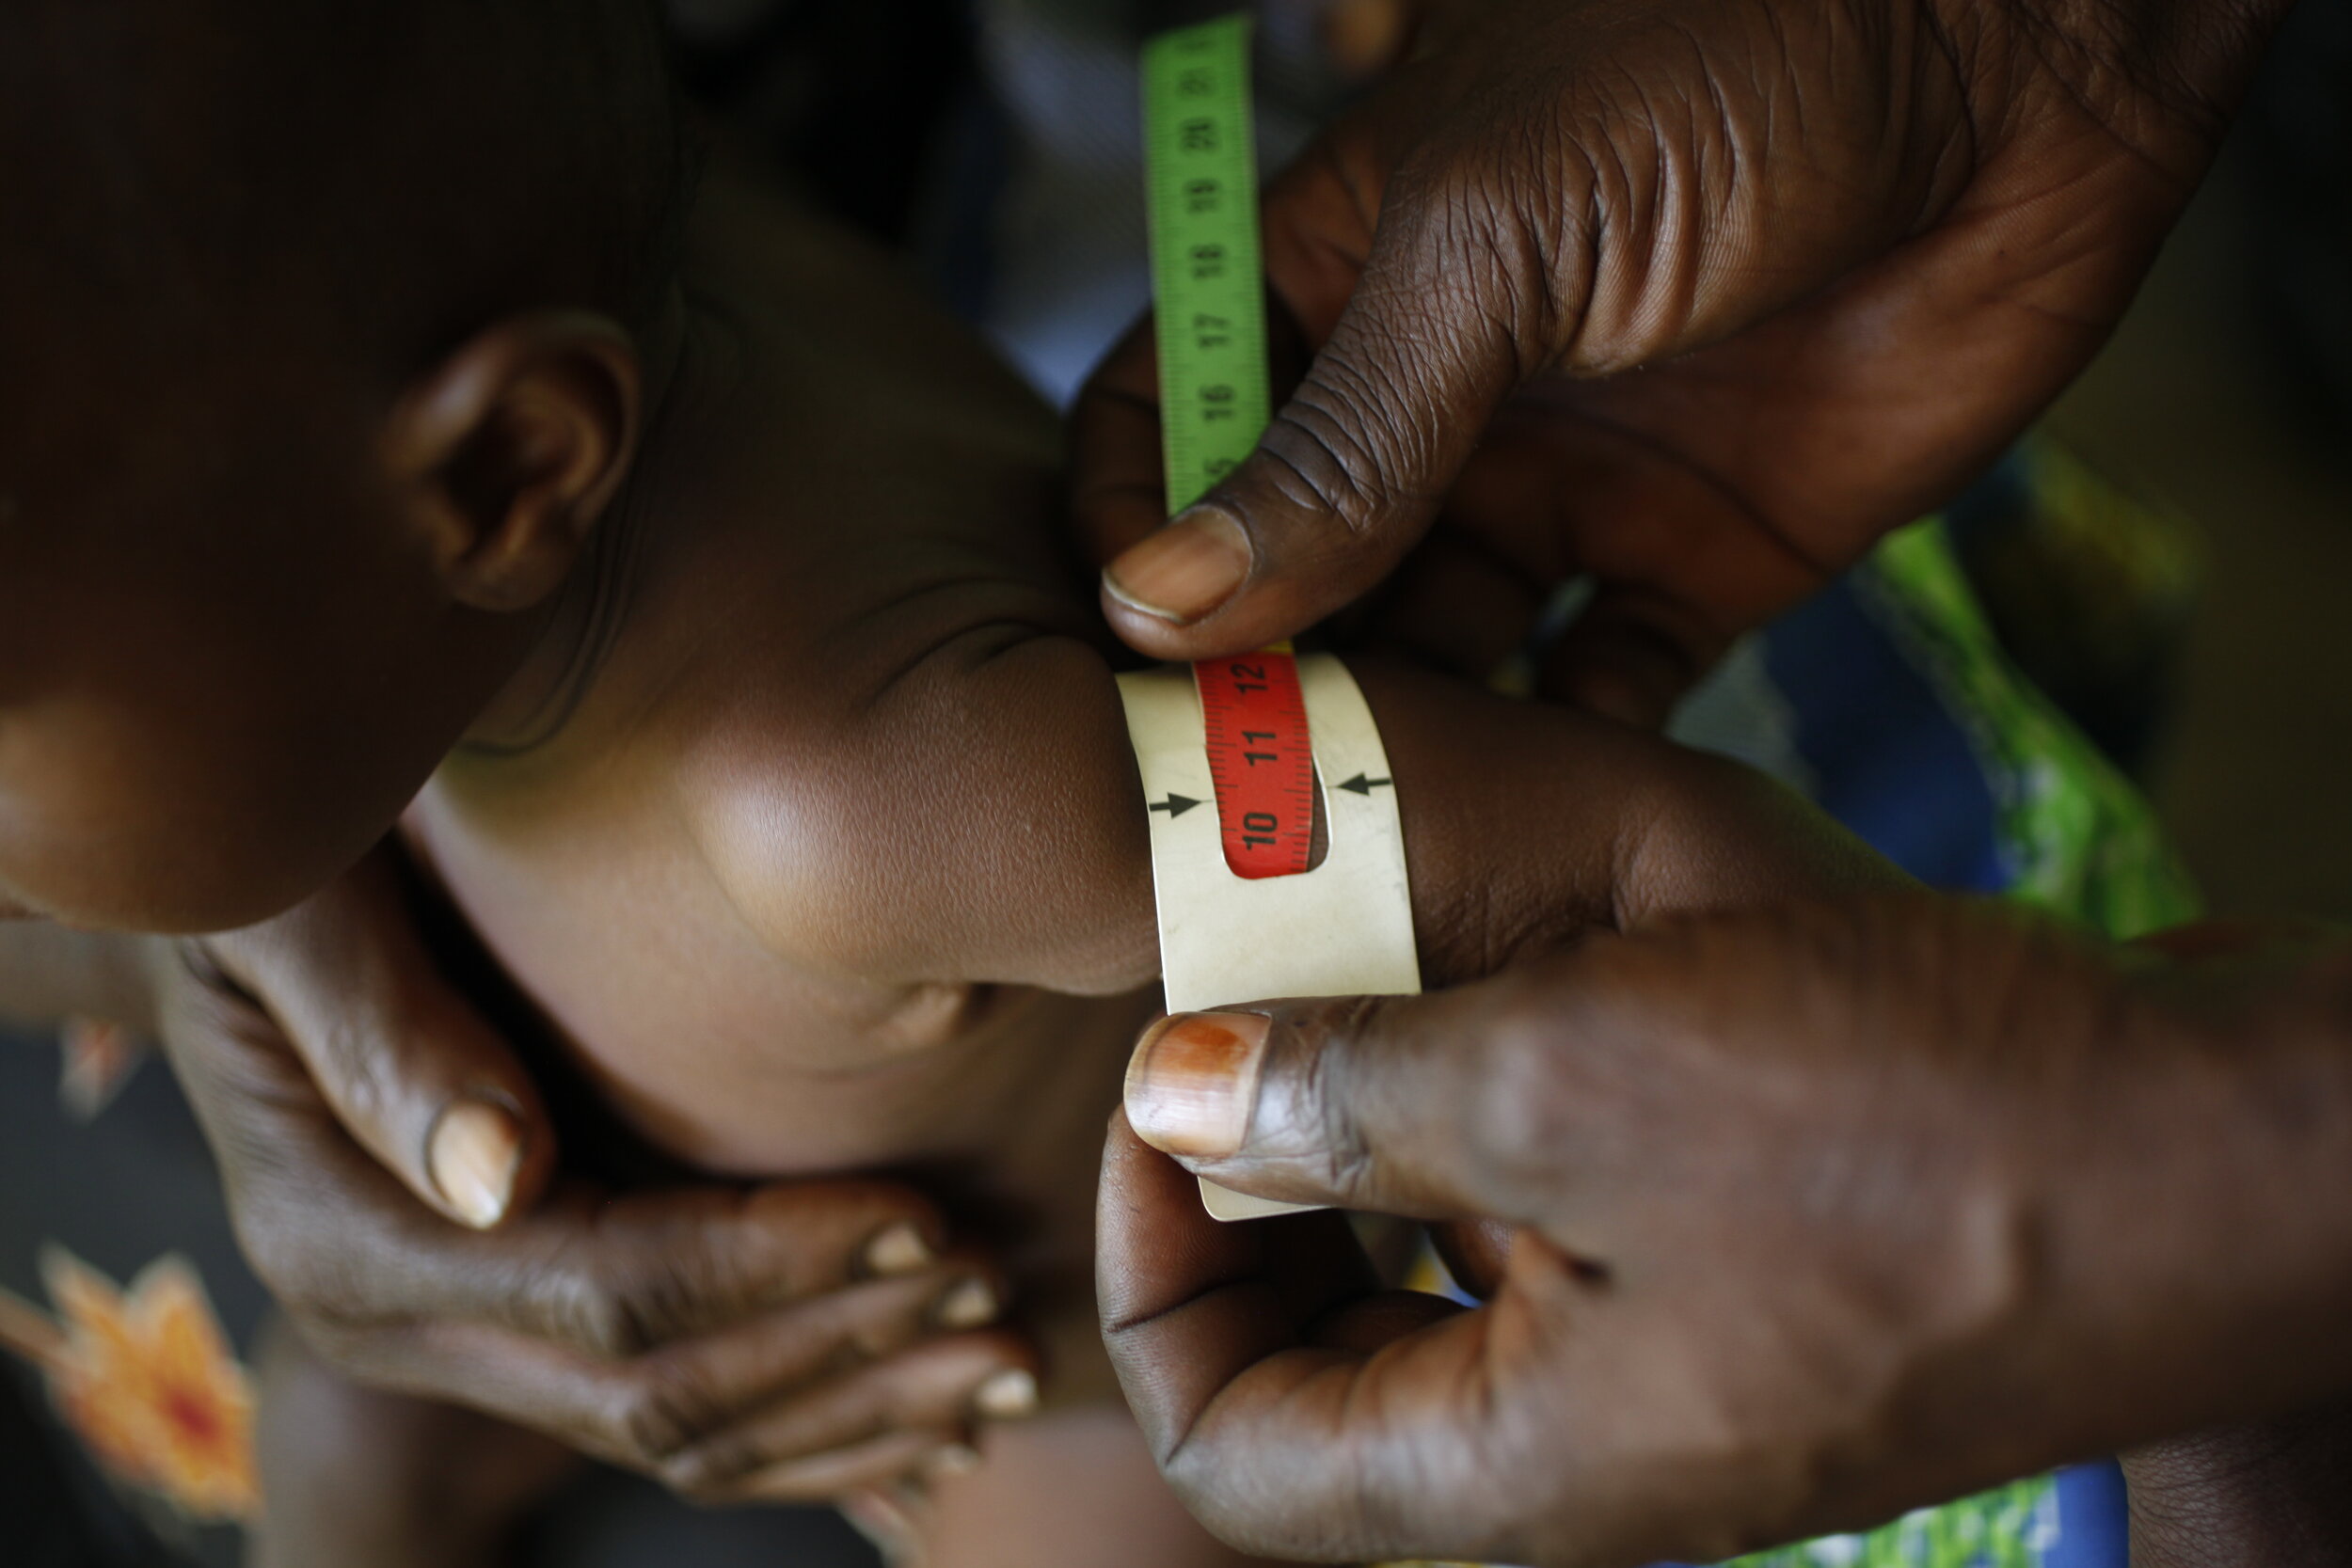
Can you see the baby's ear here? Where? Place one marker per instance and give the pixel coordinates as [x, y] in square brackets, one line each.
[511, 449]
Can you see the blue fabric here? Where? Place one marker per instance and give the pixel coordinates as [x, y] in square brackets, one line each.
[1887, 758]
[2093, 1523]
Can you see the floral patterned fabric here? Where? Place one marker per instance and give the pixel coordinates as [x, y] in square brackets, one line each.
[146, 1379]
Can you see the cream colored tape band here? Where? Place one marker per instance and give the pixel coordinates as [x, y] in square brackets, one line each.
[1344, 928]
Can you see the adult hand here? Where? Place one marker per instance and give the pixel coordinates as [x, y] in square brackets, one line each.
[1698, 297]
[791, 1340]
[1823, 1213]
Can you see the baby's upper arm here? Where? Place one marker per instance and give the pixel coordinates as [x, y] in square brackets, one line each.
[1526, 823]
[976, 817]
[980, 818]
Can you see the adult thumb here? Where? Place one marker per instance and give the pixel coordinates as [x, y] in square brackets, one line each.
[1353, 469]
[408, 1067]
[1369, 1103]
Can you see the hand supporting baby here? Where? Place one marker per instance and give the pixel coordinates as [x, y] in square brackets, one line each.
[784, 1341]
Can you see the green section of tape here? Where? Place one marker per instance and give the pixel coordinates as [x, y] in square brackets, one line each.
[1206, 287]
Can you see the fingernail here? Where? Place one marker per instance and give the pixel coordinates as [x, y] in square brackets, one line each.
[968, 1304]
[1185, 570]
[1008, 1395]
[901, 1249]
[474, 1155]
[1192, 1081]
[955, 1459]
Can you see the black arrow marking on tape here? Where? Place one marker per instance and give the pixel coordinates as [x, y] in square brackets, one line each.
[1362, 785]
[1176, 805]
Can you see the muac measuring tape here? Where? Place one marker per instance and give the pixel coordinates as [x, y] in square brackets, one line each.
[1237, 754]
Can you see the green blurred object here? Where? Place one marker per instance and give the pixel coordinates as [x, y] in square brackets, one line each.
[2083, 840]
[2083, 844]
[2088, 587]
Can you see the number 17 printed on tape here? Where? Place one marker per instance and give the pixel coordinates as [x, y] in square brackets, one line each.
[1205, 267]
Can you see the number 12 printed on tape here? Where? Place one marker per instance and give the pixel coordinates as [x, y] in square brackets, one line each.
[1254, 718]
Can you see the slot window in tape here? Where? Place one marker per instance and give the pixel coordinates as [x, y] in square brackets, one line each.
[1344, 928]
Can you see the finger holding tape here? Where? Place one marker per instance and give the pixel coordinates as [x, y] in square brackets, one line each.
[1360, 1102]
[1348, 477]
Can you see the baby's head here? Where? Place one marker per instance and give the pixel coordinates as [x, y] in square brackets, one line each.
[318, 361]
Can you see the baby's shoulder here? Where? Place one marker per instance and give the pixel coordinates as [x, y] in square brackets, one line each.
[898, 807]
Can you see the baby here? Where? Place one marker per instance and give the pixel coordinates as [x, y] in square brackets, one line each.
[395, 436]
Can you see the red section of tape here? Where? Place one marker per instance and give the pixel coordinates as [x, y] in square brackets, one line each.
[1260, 760]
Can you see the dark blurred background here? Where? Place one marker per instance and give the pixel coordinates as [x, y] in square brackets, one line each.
[2228, 395]
[2226, 399]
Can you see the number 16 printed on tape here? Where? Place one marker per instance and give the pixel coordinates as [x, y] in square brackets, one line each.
[1206, 291]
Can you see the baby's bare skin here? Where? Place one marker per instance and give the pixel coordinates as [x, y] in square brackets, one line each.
[712, 876]
[762, 731]
[839, 859]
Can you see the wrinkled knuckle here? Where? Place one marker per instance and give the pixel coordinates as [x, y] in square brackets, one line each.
[278, 1261]
[349, 1348]
[870, 1339]
[1202, 1479]
[362, 1087]
[1330, 1086]
[709, 1472]
[665, 1409]
[801, 1251]
[1350, 1168]
[1560, 222]
[1193, 1474]
[1346, 1153]
[600, 1317]
[1500, 281]
[1504, 241]
[284, 1258]
[1327, 457]
[681, 1273]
